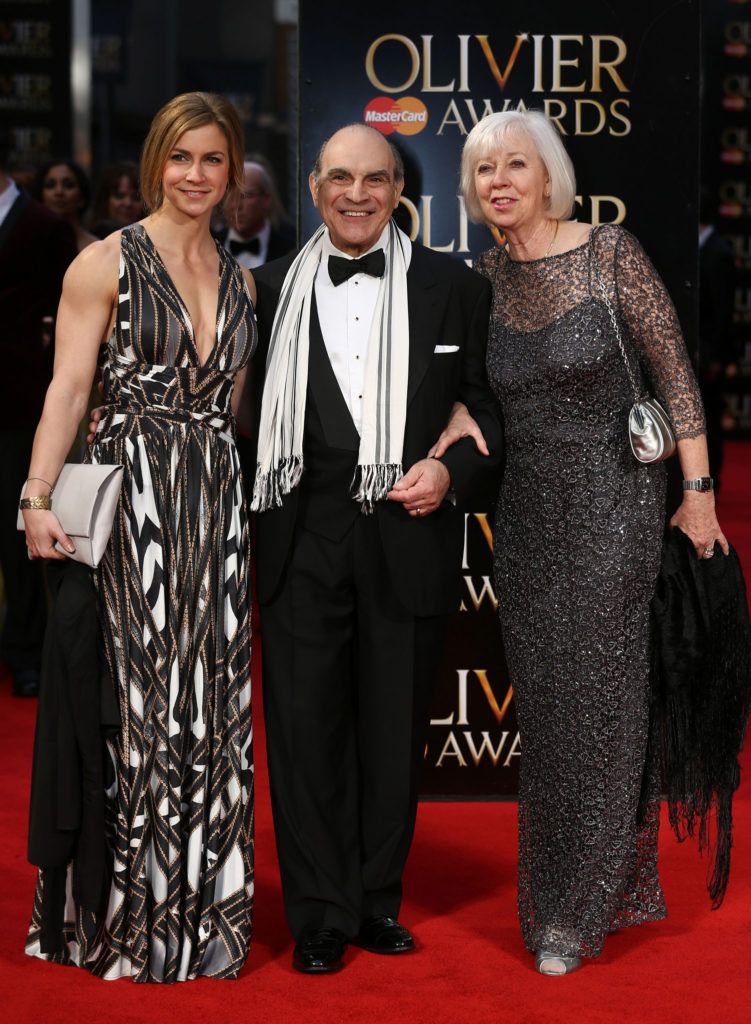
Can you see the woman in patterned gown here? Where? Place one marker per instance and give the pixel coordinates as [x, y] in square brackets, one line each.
[578, 531]
[173, 587]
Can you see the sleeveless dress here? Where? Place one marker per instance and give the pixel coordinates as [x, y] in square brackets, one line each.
[174, 604]
[577, 545]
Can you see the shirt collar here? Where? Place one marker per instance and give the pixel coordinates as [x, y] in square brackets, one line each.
[262, 236]
[704, 233]
[8, 197]
[329, 249]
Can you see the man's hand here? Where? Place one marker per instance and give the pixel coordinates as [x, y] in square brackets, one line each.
[422, 488]
[96, 415]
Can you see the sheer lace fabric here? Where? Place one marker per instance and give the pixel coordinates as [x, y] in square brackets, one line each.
[577, 549]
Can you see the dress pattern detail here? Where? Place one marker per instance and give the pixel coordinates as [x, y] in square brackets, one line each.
[174, 595]
[577, 545]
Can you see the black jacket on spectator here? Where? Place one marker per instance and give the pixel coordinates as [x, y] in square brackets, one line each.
[36, 248]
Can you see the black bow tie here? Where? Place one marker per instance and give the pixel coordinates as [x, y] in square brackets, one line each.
[238, 245]
[341, 270]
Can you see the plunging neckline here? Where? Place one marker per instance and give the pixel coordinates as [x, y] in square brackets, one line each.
[184, 305]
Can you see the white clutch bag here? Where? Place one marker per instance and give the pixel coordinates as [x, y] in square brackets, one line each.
[84, 499]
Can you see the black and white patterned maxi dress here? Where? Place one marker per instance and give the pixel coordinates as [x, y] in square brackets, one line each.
[577, 544]
[174, 594]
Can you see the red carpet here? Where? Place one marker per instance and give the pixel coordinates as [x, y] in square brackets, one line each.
[471, 966]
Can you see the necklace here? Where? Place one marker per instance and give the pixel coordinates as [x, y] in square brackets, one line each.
[547, 251]
[552, 240]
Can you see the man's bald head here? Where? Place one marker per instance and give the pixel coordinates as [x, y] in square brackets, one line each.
[357, 126]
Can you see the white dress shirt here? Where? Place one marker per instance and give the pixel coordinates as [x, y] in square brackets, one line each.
[248, 259]
[7, 198]
[345, 313]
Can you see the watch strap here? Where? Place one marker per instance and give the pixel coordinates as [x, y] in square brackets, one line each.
[699, 483]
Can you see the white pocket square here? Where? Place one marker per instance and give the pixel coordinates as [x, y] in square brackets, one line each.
[440, 349]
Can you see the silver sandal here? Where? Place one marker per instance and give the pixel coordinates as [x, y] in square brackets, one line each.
[554, 964]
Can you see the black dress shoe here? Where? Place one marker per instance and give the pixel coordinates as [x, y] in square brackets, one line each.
[26, 683]
[320, 951]
[384, 934]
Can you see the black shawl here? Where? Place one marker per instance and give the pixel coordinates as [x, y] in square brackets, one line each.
[701, 694]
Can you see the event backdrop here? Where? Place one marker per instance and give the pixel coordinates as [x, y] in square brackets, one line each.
[35, 79]
[726, 170]
[621, 82]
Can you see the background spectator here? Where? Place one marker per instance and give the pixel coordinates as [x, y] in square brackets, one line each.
[64, 188]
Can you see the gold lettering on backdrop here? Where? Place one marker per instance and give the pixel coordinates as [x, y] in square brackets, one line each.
[423, 220]
[452, 117]
[452, 748]
[462, 700]
[486, 591]
[486, 746]
[578, 122]
[516, 750]
[556, 61]
[370, 62]
[559, 63]
[482, 519]
[549, 106]
[597, 202]
[427, 68]
[560, 112]
[615, 111]
[599, 65]
[427, 233]
[501, 79]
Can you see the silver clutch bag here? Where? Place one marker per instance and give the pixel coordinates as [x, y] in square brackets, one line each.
[650, 431]
[84, 499]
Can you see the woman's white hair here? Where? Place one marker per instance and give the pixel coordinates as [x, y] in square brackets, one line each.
[489, 135]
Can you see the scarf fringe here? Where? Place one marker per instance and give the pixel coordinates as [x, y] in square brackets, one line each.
[269, 487]
[372, 483]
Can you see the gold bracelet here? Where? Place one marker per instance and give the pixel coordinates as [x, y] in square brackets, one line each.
[42, 481]
[39, 501]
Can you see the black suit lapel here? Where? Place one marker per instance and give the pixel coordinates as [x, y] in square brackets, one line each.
[11, 218]
[323, 387]
[424, 315]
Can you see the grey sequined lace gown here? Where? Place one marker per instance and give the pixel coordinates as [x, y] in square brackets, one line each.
[174, 595]
[577, 548]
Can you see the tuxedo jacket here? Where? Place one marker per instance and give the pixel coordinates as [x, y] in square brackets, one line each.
[281, 241]
[449, 307]
[36, 248]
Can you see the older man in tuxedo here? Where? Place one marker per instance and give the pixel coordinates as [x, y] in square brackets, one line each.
[35, 250]
[251, 236]
[359, 537]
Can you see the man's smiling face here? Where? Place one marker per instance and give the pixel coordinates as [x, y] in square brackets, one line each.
[355, 192]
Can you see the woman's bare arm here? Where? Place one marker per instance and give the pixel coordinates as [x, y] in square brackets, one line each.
[83, 320]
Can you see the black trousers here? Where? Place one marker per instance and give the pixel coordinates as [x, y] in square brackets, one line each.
[348, 675]
[25, 595]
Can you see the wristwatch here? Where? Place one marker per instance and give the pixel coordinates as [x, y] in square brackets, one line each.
[700, 483]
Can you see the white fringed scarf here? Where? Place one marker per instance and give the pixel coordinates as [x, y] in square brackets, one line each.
[280, 437]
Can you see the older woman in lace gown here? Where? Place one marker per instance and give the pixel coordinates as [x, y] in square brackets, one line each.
[578, 531]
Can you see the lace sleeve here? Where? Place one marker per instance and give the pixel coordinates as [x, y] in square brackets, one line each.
[653, 325]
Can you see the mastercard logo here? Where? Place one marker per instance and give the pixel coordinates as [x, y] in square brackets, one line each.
[407, 115]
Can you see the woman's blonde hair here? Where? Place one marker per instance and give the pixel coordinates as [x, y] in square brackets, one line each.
[489, 135]
[182, 114]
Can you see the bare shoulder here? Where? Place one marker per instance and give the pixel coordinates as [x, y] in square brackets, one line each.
[573, 233]
[250, 285]
[95, 268]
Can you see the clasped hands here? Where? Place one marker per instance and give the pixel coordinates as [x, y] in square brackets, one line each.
[423, 487]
